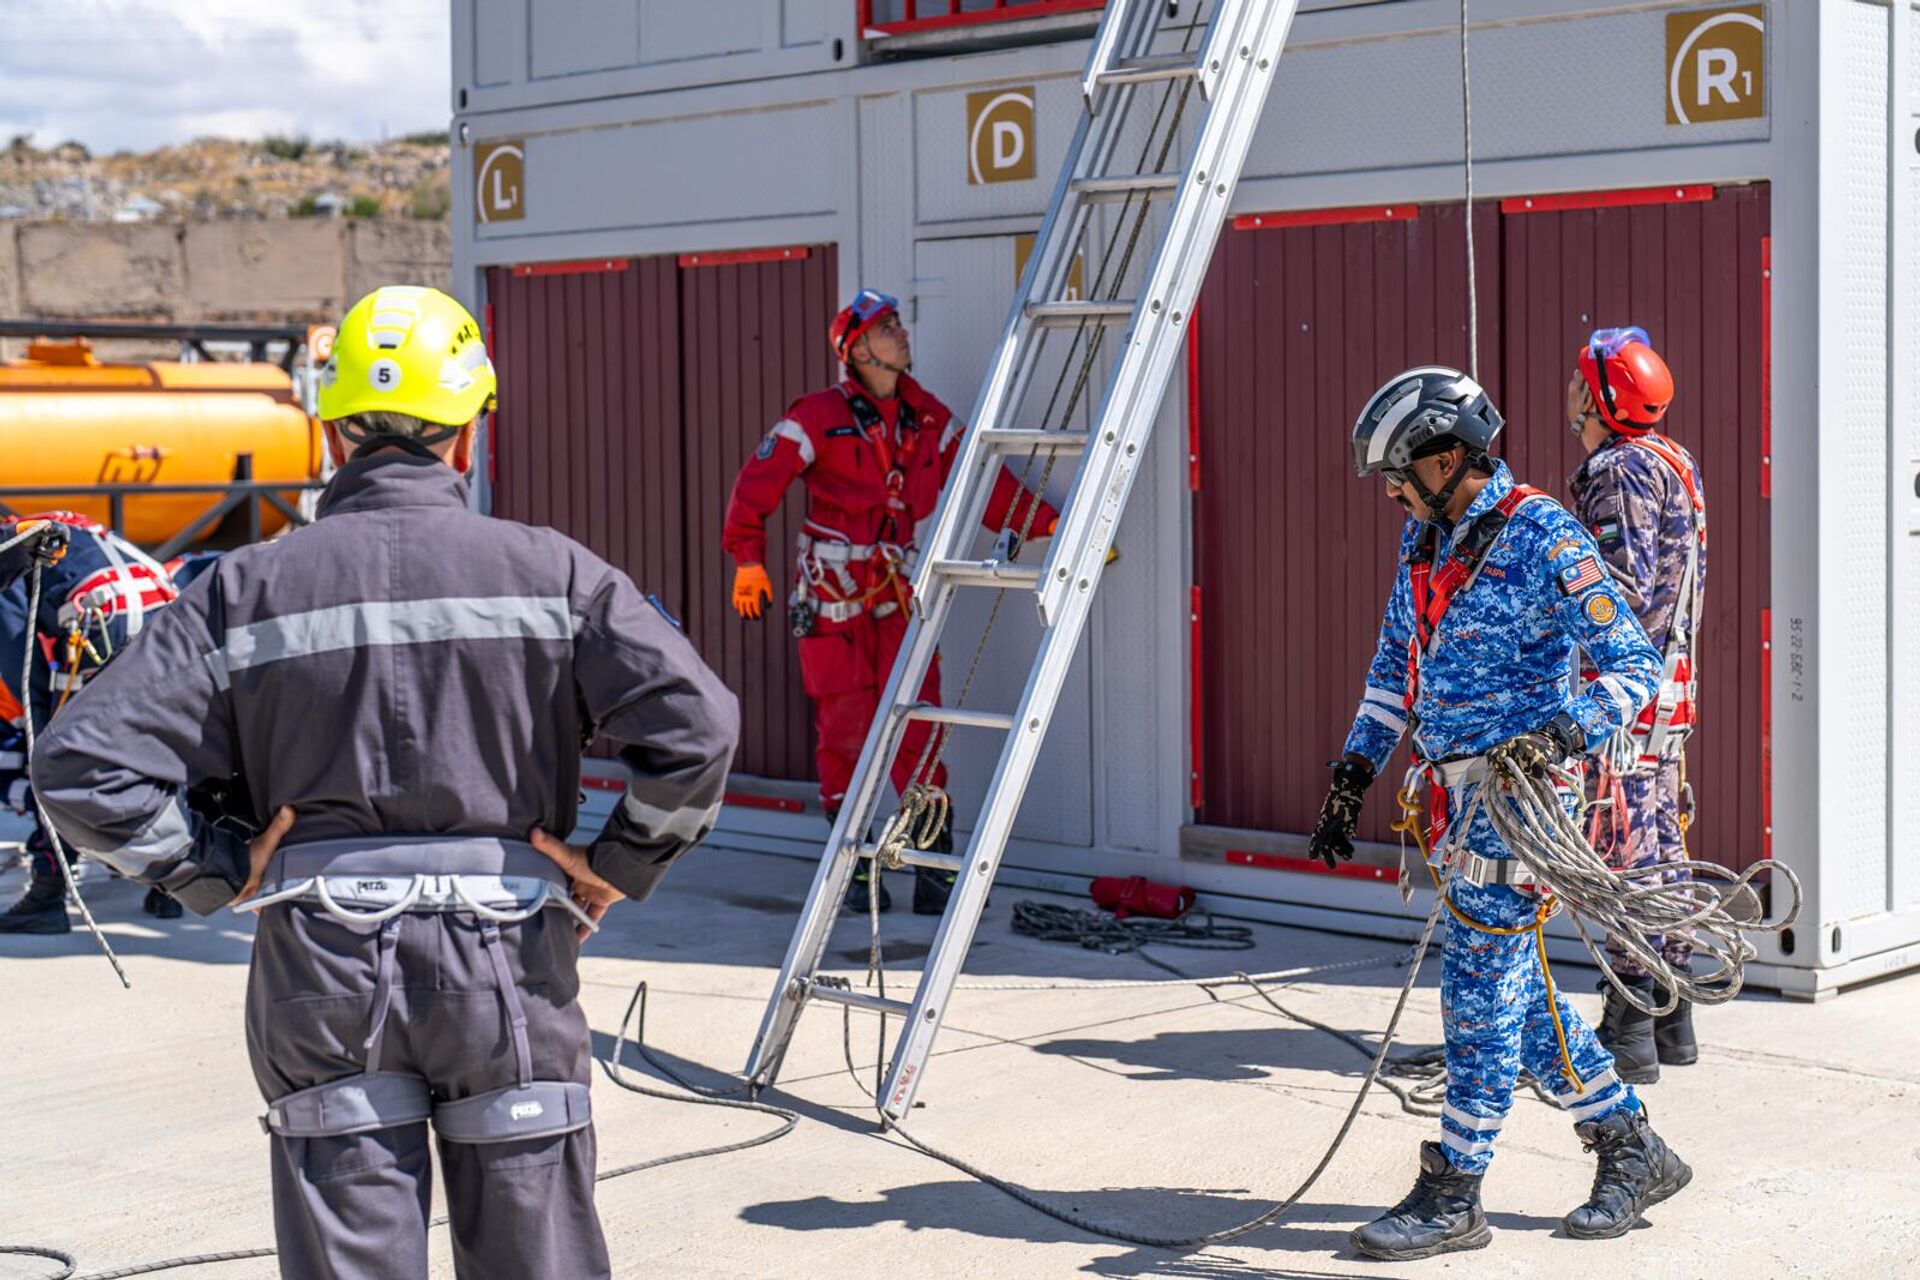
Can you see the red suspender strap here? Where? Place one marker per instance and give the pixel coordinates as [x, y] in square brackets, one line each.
[1433, 592]
[1664, 449]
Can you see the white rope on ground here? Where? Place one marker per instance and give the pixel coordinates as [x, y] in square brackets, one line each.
[46, 823]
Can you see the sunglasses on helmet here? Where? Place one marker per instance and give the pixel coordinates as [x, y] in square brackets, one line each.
[869, 303]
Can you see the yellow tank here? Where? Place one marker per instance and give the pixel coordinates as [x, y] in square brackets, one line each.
[67, 419]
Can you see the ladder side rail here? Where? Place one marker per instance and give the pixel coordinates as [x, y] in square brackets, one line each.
[815, 927]
[1119, 15]
[1046, 267]
[1011, 368]
[1173, 283]
[980, 863]
[1134, 38]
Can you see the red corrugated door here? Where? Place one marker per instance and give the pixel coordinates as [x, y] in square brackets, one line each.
[1299, 323]
[630, 392]
[587, 438]
[1689, 271]
[753, 340]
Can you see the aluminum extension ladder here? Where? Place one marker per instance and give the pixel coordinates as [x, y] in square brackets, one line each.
[1233, 71]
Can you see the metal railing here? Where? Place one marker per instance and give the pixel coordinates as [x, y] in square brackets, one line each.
[243, 493]
[881, 18]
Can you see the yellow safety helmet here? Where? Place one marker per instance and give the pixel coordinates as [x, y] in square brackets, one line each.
[408, 349]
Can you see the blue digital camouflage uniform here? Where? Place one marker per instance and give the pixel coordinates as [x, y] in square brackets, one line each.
[1642, 517]
[1502, 664]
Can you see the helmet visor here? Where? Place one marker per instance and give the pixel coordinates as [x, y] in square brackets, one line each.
[1607, 343]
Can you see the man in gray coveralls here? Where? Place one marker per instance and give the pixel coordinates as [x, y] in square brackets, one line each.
[404, 688]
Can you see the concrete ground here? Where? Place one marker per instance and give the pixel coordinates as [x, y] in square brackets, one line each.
[130, 1131]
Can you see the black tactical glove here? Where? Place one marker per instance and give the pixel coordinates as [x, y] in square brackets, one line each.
[1333, 835]
[1548, 745]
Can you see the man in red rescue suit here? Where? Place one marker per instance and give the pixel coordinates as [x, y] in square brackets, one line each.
[874, 452]
[1642, 496]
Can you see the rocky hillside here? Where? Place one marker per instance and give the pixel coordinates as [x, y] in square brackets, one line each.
[212, 179]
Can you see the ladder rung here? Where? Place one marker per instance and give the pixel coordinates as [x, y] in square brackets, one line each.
[858, 999]
[1057, 315]
[1108, 190]
[960, 716]
[1008, 440]
[986, 573]
[1154, 66]
[916, 857]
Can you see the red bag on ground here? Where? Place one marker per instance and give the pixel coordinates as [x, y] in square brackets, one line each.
[1139, 896]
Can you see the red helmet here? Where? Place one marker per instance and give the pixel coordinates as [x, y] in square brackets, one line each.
[868, 308]
[1631, 384]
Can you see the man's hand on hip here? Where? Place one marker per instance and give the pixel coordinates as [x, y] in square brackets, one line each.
[260, 852]
[590, 893]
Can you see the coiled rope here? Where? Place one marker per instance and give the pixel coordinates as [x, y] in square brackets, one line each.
[1719, 907]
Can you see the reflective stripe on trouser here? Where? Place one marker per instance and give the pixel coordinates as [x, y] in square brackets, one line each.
[355, 1207]
[844, 669]
[1493, 1004]
[1652, 837]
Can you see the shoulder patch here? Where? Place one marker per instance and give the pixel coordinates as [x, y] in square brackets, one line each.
[1601, 610]
[1580, 575]
[1565, 544]
[1607, 530]
[765, 450]
[661, 609]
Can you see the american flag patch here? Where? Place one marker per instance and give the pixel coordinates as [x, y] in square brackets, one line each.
[1581, 574]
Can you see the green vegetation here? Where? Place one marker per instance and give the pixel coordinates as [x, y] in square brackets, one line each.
[430, 200]
[282, 147]
[363, 207]
[428, 138]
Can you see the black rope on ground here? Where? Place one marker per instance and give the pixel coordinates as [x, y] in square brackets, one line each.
[1099, 931]
[1269, 1216]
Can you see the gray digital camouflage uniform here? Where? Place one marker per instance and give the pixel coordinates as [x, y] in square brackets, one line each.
[1642, 517]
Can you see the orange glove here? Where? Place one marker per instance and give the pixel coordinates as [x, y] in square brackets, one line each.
[752, 590]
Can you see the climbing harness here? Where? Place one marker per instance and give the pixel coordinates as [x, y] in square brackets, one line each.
[1433, 591]
[374, 882]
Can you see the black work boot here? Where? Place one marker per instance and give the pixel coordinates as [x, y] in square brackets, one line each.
[1673, 1032]
[42, 908]
[162, 904]
[1627, 1033]
[1637, 1171]
[931, 887]
[1440, 1215]
[858, 890]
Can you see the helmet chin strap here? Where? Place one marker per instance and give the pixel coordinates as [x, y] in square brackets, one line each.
[877, 363]
[1437, 503]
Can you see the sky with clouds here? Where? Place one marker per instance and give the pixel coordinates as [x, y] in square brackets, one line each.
[136, 74]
